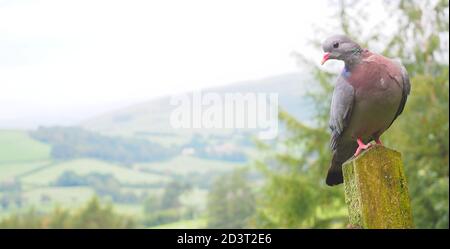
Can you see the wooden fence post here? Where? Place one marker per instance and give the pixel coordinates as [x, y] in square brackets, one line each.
[376, 191]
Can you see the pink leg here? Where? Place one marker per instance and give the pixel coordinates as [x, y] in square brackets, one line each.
[378, 141]
[361, 146]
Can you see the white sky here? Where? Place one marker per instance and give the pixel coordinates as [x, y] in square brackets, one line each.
[71, 59]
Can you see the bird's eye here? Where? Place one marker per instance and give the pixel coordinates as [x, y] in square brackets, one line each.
[336, 45]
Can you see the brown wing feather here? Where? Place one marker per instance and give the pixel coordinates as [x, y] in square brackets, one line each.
[406, 89]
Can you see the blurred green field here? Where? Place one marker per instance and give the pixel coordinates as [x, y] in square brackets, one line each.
[28, 174]
[184, 224]
[183, 165]
[64, 196]
[46, 199]
[13, 170]
[18, 146]
[132, 210]
[86, 166]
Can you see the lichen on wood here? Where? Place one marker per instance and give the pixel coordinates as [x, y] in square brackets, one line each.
[376, 190]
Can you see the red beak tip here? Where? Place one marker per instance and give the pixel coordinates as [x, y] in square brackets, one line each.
[326, 56]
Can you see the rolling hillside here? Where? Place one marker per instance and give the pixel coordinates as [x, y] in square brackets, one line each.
[31, 179]
[17, 146]
[151, 119]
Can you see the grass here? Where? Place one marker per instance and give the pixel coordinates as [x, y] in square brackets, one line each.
[184, 224]
[46, 199]
[16, 169]
[132, 210]
[187, 164]
[64, 196]
[18, 146]
[86, 166]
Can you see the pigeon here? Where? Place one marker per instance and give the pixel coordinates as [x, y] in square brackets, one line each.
[370, 93]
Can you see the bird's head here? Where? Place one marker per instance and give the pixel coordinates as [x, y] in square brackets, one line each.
[340, 47]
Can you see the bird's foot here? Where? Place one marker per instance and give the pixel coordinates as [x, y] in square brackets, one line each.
[361, 147]
[378, 141]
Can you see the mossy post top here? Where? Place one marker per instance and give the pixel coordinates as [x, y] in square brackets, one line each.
[376, 191]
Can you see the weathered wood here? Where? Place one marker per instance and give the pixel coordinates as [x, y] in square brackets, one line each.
[376, 191]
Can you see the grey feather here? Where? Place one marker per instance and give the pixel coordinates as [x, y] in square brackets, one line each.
[341, 108]
[340, 112]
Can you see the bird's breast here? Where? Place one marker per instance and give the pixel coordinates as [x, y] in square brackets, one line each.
[376, 101]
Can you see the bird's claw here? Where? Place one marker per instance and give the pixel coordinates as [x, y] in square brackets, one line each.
[378, 141]
[361, 147]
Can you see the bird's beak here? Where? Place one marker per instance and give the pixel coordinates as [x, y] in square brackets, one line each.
[326, 56]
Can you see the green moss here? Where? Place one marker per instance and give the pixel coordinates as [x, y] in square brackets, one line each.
[352, 200]
[376, 191]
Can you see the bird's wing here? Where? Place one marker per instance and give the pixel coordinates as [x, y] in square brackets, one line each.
[341, 109]
[406, 88]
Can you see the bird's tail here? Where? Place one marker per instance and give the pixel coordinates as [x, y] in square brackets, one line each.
[340, 155]
[334, 176]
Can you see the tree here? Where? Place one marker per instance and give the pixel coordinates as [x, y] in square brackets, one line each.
[422, 132]
[231, 202]
[92, 215]
[166, 208]
[172, 193]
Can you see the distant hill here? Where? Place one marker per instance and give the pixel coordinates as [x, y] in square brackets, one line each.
[151, 119]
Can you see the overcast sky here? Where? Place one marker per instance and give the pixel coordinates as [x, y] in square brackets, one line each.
[69, 59]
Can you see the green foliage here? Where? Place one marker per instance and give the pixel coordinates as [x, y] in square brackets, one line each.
[70, 178]
[295, 164]
[184, 224]
[295, 194]
[103, 184]
[172, 193]
[422, 132]
[93, 215]
[74, 142]
[422, 136]
[166, 208]
[163, 217]
[231, 202]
